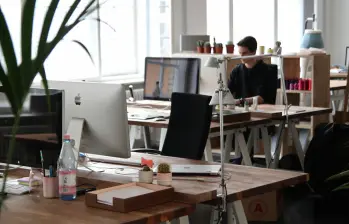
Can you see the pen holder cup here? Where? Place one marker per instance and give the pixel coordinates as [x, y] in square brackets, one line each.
[50, 187]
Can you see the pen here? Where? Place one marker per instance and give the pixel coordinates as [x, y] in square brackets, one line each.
[42, 162]
[51, 170]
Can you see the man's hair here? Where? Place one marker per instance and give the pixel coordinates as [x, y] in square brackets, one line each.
[249, 42]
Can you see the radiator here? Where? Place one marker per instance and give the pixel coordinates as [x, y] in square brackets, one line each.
[138, 94]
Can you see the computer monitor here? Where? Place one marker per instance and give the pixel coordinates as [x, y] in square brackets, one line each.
[103, 107]
[40, 128]
[163, 76]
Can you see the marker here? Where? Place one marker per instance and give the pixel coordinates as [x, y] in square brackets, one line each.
[42, 162]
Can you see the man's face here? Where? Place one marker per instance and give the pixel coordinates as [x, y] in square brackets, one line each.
[243, 51]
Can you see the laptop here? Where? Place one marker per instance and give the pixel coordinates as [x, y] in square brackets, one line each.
[185, 169]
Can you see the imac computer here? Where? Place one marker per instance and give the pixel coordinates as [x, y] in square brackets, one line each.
[103, 111]
[40, 129]
[163, 76]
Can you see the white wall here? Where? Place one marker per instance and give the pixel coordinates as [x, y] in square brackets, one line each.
[188, 17]
[334, 22]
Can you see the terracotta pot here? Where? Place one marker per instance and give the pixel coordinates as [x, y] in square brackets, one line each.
[207, 50]
[200, 49]
[145, 176]
[218, 50]
[164, 179]
[230, 49]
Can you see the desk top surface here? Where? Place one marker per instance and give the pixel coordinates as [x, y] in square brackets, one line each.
[294, 112]
[342, 75]
[242, 181]
[33, 208]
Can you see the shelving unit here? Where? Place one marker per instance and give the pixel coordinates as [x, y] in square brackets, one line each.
[319, 66]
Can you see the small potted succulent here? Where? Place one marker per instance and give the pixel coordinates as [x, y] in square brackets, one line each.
[218, 48]
[145, 175]
[230, 47]
[200, 46]
[207, 47]
[164, 175]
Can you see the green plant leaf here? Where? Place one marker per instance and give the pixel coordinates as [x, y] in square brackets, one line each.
[101, 21]
[46, 87]
[26, 69]
[13, 74]
[85, 49]
[339, 176]
[342, 187]
[84, 12]
[6, 88]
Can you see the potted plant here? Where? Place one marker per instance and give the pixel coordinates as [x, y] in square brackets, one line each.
[200, 46]
[18, 74]
[230, 47]
[207, 47]
[145, 175]
[219, 48]
[164, 175]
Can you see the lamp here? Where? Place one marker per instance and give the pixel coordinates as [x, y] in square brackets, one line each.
[222, 96]
[312, 39]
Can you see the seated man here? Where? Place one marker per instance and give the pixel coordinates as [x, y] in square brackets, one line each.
[248, 80]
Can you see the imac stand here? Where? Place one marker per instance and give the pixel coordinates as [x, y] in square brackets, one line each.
[75, 130]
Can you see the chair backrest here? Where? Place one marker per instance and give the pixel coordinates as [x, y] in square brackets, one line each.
[271, 84]
[188, 127]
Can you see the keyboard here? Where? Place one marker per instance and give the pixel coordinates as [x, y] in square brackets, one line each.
[13, 187]
[147, 116]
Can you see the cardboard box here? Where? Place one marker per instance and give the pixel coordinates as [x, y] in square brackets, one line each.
[265, 207]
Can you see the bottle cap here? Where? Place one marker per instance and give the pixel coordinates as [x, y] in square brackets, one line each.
[66, 136]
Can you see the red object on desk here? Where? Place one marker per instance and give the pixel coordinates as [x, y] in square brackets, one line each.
[147, 162]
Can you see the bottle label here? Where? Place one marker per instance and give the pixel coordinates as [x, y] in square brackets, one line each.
[67, 182]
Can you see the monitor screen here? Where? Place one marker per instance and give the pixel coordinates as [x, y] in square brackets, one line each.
[40, 128]
[166, 75]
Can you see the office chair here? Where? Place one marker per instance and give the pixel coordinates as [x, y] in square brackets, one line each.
[188, 127]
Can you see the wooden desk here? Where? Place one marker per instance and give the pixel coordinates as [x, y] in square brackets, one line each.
[43, 137]
[341, 75]
[36, 209]
[243, 182]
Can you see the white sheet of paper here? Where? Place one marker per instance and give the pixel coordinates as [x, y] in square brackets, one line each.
[123, 193]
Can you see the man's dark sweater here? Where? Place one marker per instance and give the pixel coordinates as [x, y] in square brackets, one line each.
[249, 82]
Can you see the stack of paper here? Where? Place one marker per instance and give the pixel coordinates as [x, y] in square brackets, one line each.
[122, 193]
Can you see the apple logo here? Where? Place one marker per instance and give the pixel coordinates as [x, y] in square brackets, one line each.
[78, 99]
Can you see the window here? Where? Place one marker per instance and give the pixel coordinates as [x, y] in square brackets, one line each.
[217, 18]
[118, 38]
[290, 31]
[266, 20]
[12, 12]
[254, 18]
[131, 30]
